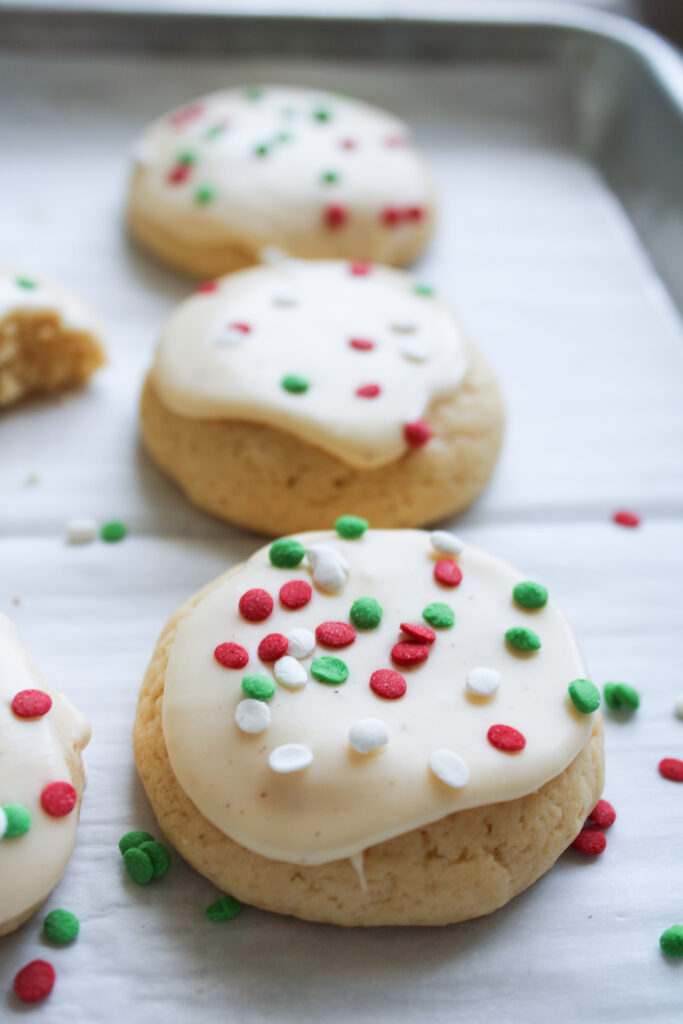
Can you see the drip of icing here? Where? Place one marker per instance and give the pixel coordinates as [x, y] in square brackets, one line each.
[20, 292]
[357, 863]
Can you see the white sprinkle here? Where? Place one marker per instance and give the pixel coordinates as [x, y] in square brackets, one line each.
[290, 672]
[446, 543]
[3, 823]
[330, 568]
[368, 734]
[415, 350]
[252, 715]
[678, 708]
[404, 328]
[450, 768]
[301, 642]
[285, 301]
[483, 681]
[290, 757]
[80, 531]
[228, 336]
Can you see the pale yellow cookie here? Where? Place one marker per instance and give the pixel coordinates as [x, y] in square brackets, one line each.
[315, 174]
[358, 799]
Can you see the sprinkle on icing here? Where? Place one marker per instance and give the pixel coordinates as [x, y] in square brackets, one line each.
[409, 653]
[584, 695]
[504, 737]
[447, 573]
[368, 734]
[17, 821]
[301, 642]
[335, 634]
[231, 655]
[446, 543]
[523, 639]
[330, 670]
[366, 613]
[439, 615]
[351, 527]
[295, 594]
[483, 682]
[388, 684]
[256, 605]
[31, 703]
[272, 647]
[58, 799]
[295, 383]
[530, 595]
[416, 632]
[329, 566]
[252, 716]
[258, 687]
[290, 757]
[286, 553]
[290, 673]
[417, 434]
[449, 768]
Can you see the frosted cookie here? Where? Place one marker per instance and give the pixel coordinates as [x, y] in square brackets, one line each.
[315, 174]
[282, 396]
[49, 339]
[370, 727]
[41, 782]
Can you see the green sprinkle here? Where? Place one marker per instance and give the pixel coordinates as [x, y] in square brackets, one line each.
[138, 865]
[283, 137]
[530, 595]
[366, 613]
[621, 697]
[204, 194]
[25, 282]
[159, 856]
[423, 289]
[523, 639]
[223, 909]
[438, 615]
[262, 149]
[671, 941]
[584, 695]
[18, 820]
[286, 553]
[187, 157]
[329, 670]
[259, 687]
[351, 527]
[61, 926]
[133, 839]
[288, 112]
[292, 382]
[113, 532]
[329, 177]
[254, 92]
[322, 114]
[214, 131]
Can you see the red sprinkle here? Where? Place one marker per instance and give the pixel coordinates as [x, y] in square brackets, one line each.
[391, 216]
[206, 287]
[422, 633]
[348, 143]
[415, 213]
[368, 391]
[31, 703]
[447, 572]
[360, 268]
[272, 647]
[409, 653]
[335, 634]
[395, 141]
[417, 434]
[671, 768]
[178, 174]
[362, 344]
[504, 737]
[35, 981]
[187, 114]
[58, 799]
[388, 684]
[335, 215]
[624, 518]
[231, 655]
[256, 605]
[603, 815]
[242, 328]
[590, 841]
[296, 593]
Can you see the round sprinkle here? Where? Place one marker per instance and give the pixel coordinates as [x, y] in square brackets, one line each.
[329, 177]
[368, 391]
[61, 926]
[359, 268]
[446, 543]
[388, 684]
[231, 655]
[204, 195]
[80, 531]
[603, 815]
[223, 909]
[301, 642]
[286, 553]
[31, 703]
[58, 799]
[368, 734]
[447, 573]
[252, 716]
[403, 327]
[590, 842]
[361, 344]
[366, 613]
[285, 301]
[678, 707]
[671, 768]
[584, 695]
[335, 216]
[415, 350]
[328, 565]
[351, 527]
[671, 941]
[262, 149]
[258, 687]
[256, 605]
[138, 865]
[505, 738]
[329, 670]
[438, 615]
[113, 531]
[409, 653]
[17, 820]
[621, 697]
[425, 290]
[294, 383]
[35, 981]
[132, 840]
[207, 287]
[296, 593]
[530, 595]
[290, 757]
[335, 634]
[625, 518]
[26, 283]
[272, 647]
[449, 768]
[290, 673]
[322, 114]
[254, 92]
[348, 144]
[158, 855]
[391, 216]
[178, 174]
[483, 682]
[523, 639]
[417, 434]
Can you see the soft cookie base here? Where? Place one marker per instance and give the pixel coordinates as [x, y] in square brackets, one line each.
[462, 866]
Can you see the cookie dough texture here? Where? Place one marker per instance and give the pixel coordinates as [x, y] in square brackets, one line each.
[462, 866]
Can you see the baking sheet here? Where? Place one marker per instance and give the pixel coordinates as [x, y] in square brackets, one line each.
[548, 276]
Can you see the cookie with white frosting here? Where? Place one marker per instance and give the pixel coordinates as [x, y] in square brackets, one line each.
[285, 394]
[49, 339]
[370, 727]
[41, 782]
[315, 174]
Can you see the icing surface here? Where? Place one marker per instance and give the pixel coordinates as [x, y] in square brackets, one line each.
[340, 359]
[21, 292]
[32, 756]
[344, 801]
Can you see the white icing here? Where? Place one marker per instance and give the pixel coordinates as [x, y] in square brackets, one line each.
[358, 865]
[42, 296]
[207, 368]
